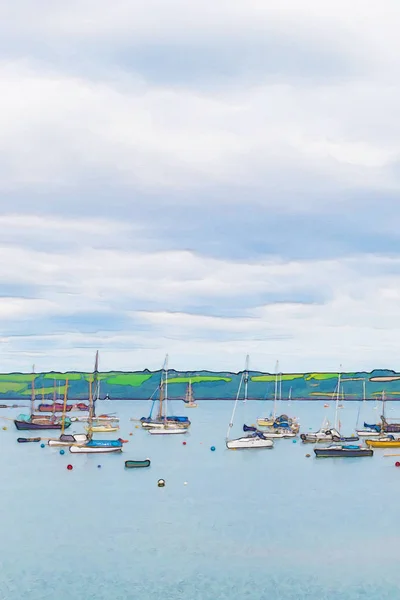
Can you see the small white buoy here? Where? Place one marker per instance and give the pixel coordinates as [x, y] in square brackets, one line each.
[185, 483]
[161, 483]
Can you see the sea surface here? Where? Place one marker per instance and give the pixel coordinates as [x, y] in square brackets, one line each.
[251, 524]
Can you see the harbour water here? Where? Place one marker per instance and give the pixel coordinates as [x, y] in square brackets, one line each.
[255, 524]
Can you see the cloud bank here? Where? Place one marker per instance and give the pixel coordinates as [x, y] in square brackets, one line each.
[206, 180]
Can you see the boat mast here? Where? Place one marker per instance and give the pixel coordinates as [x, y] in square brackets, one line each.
[359, 408]
[162, 383]
[95, 380]
[90, 420]
[246, 378]
[276, 387]
[64, 407]
[33, 391]
[166, 387]
[234, 407]
[337, 399]
[54, 398]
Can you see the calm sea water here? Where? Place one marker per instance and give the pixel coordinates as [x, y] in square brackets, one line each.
[265, 524]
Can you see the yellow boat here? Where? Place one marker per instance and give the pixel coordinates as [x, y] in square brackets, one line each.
[383, 444]
[102, 428]
[265, 422]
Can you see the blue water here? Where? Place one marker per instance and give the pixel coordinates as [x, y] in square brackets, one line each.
[264, 524]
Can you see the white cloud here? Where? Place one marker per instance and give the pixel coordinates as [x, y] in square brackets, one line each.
[357, 324]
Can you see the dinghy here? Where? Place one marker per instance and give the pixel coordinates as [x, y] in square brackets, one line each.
[135, 464]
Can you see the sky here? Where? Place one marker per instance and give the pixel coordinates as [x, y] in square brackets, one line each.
[207, 179]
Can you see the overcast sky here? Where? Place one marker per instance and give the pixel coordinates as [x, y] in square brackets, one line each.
[207, 178]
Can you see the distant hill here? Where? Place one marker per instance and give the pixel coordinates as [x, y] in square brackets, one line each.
[207, 385]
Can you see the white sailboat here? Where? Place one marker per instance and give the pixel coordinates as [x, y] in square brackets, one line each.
[164, 426]
[255, 439]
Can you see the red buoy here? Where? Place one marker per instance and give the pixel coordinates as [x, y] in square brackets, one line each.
[70, 467]
[397, 463]
[184, 443]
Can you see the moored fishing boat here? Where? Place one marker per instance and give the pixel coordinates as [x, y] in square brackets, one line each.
[337, 451]
[25, 440]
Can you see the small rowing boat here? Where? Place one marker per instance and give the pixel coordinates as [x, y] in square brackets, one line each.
[24, 440]
[135, 464]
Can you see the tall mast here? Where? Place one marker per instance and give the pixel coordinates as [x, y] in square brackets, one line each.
[166, 386]
[280, 386]
[276, 387]
[54, 397]
[234, 407]
[95, 380]
[90, 420]
[337, 399]
[364, 390]
[163, 384]
[246, 378]
[33, 391]
[64, 407]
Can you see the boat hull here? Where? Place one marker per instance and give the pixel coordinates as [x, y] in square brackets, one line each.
[68, 440]
[167, 431]
[29, 426]
[248, 443]
[94, 449]
[59, 407]
[24, 440]
[102, 429]
[137, 464]
[367, 433]
[342, 452]
[382, 444]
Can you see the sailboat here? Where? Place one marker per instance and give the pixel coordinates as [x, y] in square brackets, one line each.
[95, 446]
[369, 430]
[269, 421]
[35, 422]
[65, 439]
[327, 433]
[165, 427]
[161, 419]
[384, 439]
[246, 379]
[255, 439]
[189, 397]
